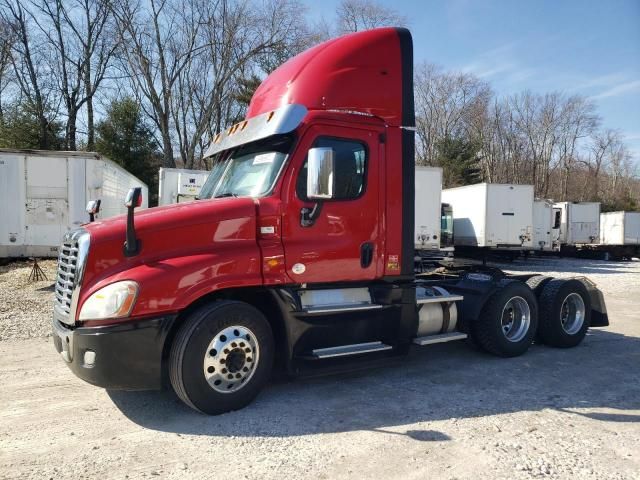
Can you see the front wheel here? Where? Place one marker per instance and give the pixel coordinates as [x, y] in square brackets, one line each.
[508, 321]
[221, 357]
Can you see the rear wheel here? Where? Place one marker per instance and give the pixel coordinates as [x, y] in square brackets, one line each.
[565, 313]
[221, 357]
[537, 283]
[509, 320]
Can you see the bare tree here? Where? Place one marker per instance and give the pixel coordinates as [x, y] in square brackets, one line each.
[7, 40]
[357, 15]
[81, 54]
[159, 40]
[448, 105]
[29, 66]
[604, 145]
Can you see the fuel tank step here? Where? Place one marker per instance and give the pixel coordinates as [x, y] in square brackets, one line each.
[440, 338]
[439, 299]
[353, 349]
[328, 309]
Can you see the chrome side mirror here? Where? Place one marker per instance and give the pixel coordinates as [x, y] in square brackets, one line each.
[133, 198]
[93, 208]
[320, 173]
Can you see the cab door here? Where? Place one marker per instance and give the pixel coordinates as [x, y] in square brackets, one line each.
[341, 240]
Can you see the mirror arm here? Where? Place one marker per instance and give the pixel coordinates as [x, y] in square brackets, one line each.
[308, 216]
[132, 244]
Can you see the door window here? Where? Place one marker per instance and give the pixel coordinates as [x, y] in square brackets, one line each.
[350, 158]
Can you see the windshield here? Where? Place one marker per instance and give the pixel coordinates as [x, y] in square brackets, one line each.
[247, 171]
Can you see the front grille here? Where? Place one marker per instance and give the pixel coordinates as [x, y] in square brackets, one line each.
[71, 260]
[67, 266]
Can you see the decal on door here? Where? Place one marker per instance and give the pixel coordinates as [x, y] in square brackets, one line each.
[298, 268]
[393, 262]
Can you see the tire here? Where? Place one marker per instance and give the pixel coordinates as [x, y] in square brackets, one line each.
[537, 283]
[222, 357]
[560, 325]
[490, 331]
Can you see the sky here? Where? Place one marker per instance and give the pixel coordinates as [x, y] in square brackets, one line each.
[587, 47]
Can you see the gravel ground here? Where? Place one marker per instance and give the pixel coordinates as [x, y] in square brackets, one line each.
[25, 307]
[447, 411]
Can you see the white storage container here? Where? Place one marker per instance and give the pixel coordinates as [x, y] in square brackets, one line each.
[177, 185]
[620, 228]
[44, 194]
[542, 225]
[497, 216]
[576, 223]
[428, 182]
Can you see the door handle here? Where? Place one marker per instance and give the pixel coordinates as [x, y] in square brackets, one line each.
[308, 216]
[366, 254]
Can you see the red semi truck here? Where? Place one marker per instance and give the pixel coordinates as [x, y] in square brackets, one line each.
[299, 253]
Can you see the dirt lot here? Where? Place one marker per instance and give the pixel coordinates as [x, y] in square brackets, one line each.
[445, 412]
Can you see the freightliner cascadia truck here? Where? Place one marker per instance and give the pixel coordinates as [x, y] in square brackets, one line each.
[298, 255]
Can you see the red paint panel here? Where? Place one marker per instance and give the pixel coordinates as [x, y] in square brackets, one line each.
[360, 71]
[188, 250]
[329, 250]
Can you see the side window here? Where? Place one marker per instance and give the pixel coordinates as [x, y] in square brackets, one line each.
[350, 168]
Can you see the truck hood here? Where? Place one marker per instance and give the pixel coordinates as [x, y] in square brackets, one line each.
[169, 231]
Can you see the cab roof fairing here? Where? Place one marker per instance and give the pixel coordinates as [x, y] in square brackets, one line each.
[360, 72]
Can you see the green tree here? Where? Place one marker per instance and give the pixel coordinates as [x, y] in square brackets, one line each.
[124, 137]
[20, 128]
[246, 88]
[459, 160]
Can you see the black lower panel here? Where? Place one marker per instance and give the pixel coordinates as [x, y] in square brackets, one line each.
[127, 356]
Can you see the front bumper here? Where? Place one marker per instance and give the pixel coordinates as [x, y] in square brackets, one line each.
[128, 356]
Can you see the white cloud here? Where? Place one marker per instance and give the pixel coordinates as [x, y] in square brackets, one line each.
[499, 62]
[620, 89]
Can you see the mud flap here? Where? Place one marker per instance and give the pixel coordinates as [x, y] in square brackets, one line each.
[599, 317]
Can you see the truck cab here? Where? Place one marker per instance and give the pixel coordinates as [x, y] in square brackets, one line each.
[299, 253]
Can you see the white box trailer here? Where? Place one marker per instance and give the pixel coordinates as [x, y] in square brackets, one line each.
[44, 194]
[490, 215]
[178, 185]
[542, 225]
[576, 223]
[428, 182]
[620, 228]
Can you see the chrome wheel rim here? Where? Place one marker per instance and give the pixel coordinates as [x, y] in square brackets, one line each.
[572, 313]
[231, 359]
[516, 319]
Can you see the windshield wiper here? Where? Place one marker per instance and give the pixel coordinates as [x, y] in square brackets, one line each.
[226, 194]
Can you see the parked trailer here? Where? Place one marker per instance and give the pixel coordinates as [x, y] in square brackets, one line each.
[428, 183]
[491, 216]
[542, 225]
[619, 236]
[575, 224]
[178, 185]
[44, 195]
[302, 256]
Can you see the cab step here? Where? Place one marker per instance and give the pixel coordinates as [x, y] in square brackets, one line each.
[441, 338]
[343, 308]
[354, 349]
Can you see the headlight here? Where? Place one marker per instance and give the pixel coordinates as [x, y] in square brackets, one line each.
[113, 301]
